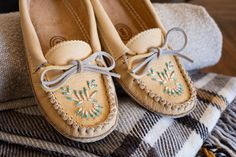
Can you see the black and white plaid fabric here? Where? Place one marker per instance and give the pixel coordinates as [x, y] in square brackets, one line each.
[24, 132]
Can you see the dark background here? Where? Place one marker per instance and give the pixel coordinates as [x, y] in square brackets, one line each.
[8, 6]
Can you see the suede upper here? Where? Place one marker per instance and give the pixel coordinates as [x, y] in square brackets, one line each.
[166, 87]
[59, 36]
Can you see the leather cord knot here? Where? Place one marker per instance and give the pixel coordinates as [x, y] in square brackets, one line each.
[78, 64]
[144, 60]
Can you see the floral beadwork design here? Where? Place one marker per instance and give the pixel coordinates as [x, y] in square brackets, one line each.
[85, 96]
[167, 79]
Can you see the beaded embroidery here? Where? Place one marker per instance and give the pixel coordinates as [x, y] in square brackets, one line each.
[86, 96]
[167, 79]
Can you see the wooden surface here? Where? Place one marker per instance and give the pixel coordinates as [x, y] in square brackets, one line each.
[224, 13]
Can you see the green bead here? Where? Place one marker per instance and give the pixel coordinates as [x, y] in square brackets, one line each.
[166, 65]
[89, 85]
[63, 89]
[69, 98]
[69, 88]
[82, 115]
[78, 111]
[154, 79]
[165, 71]
[96, 113]
[81, 92]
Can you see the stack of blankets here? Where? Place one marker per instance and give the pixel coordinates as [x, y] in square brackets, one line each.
[140, 133]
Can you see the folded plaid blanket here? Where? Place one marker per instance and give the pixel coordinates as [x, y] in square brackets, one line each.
[24, 132]
[222, 141]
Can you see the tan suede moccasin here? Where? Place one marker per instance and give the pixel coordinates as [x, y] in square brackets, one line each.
[71, 82]
[150, 71]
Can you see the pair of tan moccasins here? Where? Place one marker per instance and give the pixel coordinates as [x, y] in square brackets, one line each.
[71, 76]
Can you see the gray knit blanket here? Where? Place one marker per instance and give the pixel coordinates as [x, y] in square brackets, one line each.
[140, 133]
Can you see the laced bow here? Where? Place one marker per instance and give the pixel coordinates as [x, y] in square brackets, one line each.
[77, 66]
[154, 53]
